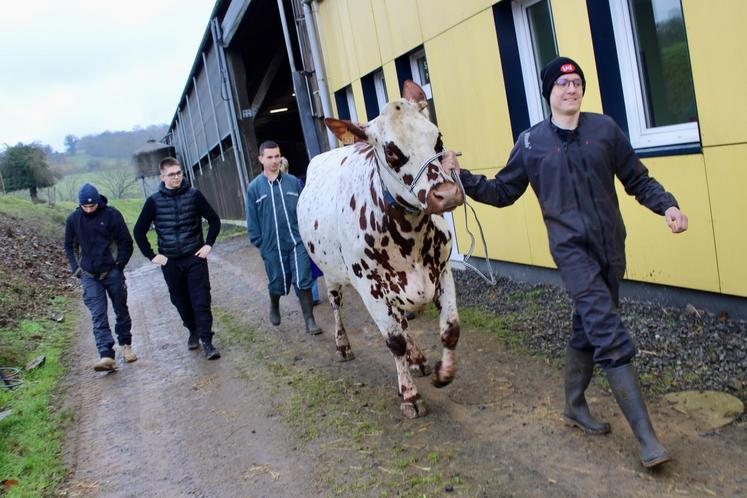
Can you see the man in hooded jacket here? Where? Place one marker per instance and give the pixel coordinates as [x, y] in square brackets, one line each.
[571, 160]
[98, 247]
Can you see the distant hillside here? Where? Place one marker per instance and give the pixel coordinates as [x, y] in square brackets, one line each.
[119, 144]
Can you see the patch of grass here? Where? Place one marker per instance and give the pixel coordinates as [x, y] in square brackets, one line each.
[31, 437]
[323, 409]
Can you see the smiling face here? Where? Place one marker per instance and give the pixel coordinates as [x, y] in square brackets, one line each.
[566, 95]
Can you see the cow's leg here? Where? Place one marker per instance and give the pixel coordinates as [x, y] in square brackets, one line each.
[334, 293]
[390, 322]
[416, 360]
[445, 369]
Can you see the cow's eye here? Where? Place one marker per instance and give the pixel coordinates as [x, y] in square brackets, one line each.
[439, 145]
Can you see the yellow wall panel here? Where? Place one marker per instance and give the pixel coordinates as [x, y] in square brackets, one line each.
[436, 16]
[333, 45]
[468, 92]
[348, 36]
[365, 38]
[397, 25]
[360, 103]
[655, 254]
[572, 30]
[727, 177]
[393, 91]
[717, 37]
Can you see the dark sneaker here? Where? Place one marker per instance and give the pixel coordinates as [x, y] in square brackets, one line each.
[210, 352]
[193, 342]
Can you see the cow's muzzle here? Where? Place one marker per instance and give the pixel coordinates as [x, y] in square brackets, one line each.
[444, 197]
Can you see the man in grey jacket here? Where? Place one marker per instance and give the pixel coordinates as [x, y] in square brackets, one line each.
[571, 160]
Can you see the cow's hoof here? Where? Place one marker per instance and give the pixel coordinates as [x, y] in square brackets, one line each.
[413, 409]
[437, 380]
[345, 355]
[422, 369]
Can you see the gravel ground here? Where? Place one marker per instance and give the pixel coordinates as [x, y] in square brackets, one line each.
[679, 349]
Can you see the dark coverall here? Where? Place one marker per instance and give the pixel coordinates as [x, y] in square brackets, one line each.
[272, 224]
[572, 173]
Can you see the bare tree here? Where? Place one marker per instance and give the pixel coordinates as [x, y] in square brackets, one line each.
[67, 189]
[119, 182]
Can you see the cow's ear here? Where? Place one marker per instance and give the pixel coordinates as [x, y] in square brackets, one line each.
[346, 131]
[411, 91]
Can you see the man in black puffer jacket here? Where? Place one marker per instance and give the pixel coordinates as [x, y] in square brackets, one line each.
[98, 247]
[177, 210]
[571, 160]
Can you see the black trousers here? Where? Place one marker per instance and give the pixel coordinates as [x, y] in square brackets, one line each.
[188, 280]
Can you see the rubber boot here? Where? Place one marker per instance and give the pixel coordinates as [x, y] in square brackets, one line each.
[623, 381]
[579, 368]
[275, 309]
[307, 308]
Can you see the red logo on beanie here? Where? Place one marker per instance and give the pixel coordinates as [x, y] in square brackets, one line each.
[567, 68]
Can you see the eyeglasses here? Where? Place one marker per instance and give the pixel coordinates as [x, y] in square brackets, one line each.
[175, 174]
[564, 82]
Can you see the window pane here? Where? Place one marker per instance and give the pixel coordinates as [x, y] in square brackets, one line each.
[543, 39]
[663, 62]
[425, 78]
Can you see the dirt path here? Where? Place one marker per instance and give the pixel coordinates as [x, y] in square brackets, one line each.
[277, 416]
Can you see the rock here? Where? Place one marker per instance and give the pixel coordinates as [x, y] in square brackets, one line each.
[36, 362]
[710, 409]
[5, 414]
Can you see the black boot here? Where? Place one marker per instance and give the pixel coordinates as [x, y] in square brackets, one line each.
[275, 309]
[211, 353]
[307, 308]
[624, 384]
[194, 340]
[579, 367]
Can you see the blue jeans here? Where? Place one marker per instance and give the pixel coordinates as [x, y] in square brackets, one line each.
[94, 297]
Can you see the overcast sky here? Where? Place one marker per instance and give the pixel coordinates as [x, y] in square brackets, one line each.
[85, 66]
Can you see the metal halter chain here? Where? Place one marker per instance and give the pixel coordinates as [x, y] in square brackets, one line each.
[389, 198]
[465, 261]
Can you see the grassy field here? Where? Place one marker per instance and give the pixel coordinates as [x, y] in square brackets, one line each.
[31, 433]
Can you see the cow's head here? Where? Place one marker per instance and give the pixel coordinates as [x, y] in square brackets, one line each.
[405, 142]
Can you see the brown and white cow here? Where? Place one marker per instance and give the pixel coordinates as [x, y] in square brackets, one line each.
[371, 216]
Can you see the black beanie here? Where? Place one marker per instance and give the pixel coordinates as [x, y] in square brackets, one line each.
[557, 68]
[88, 195]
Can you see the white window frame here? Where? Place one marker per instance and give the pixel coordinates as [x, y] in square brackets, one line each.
[532, 88]
[415, 69]
[641, 135]
[351, 104]
[380, 87]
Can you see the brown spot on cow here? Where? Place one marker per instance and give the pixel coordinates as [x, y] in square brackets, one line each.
[369, 239]
[450, 336]
[336, 298]
[357, 270]
[362, 219]
[395, 158]
[421, 195]
[352, 202]
[311, 247]
[316, 224]
[407, 179]
[432, 174]
[397, 345]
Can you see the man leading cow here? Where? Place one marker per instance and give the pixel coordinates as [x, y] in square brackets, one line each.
[571, 160]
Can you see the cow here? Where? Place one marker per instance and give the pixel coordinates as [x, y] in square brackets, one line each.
[370, 216]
